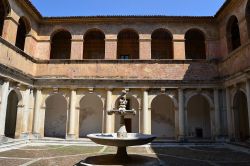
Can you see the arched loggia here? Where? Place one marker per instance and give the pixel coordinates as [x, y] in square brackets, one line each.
[60, 45]
[162, 44]
[128, 44]
[195, 46]
[233, 34]
[22, 31]
[94, 45]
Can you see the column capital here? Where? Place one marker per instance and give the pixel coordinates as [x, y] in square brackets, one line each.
[145, 37]
[111, 37]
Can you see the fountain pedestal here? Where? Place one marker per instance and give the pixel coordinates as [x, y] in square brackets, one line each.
[121, 140]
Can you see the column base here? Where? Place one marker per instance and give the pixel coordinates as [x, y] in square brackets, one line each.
[182, 139]
[71, 137]
[25, 136]
[36, 136]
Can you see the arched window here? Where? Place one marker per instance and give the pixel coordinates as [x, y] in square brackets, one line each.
[60, 45]
[195, 44]
[162, 45]
[128, 45]
[22, 30]
[4, 10]
[94, 45]
[233, 34]
[247, 15]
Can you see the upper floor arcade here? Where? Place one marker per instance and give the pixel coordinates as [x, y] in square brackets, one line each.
[131, 38]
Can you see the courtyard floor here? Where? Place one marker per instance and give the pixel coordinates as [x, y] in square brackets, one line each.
[70, 155]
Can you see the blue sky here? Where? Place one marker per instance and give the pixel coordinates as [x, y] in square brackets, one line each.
[128, 7]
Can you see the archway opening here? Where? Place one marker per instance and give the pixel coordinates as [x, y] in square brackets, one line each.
[198, 118]
[195, 46]
[60, 45]
[128, 45]
[132, 122]
[163, 117]
[55, 116]
[11, 115]
[22, 31]
[233, 34]
[94, 45]
[4, 9]
[241, 120]
[91, 115]
[162, 44]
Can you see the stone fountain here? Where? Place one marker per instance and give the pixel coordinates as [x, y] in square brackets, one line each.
[122, 139]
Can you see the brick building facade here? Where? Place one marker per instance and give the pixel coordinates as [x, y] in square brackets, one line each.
[187, 77]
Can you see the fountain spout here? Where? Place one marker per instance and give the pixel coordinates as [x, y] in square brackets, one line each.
[122, 111]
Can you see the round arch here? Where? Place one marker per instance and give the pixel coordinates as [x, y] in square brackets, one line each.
[161, 44]
[199, 116]
[128, 44]
[195, 44]
[56, 116]
[60, 46]
[163, 116]
[241, 117]
[233, 34]
[94, 44]
[12, 120]
[24, 27]
[90, 115]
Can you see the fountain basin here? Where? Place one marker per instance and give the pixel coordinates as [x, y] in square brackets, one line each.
[111, 139]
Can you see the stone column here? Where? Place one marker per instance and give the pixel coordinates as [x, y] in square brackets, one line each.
[4, 102]
[179, 46]
[145, 46]
[181, 115]
[248, 100]
[110, 121]
[26, 101]
[111, 46]
[77, 47]
[10, 29]
[36, 121]
[146, 117]
[229, 114]
[72, 112]
[217, 113]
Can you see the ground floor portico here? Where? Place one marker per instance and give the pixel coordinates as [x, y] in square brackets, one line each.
[173, 113]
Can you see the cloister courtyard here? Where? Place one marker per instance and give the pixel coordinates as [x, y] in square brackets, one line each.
[40, 154]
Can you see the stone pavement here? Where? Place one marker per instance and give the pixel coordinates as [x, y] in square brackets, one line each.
[69, 155]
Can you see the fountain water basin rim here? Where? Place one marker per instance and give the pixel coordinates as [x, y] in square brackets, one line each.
[111, 139]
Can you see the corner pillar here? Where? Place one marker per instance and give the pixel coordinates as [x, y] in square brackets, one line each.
[3, 108]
